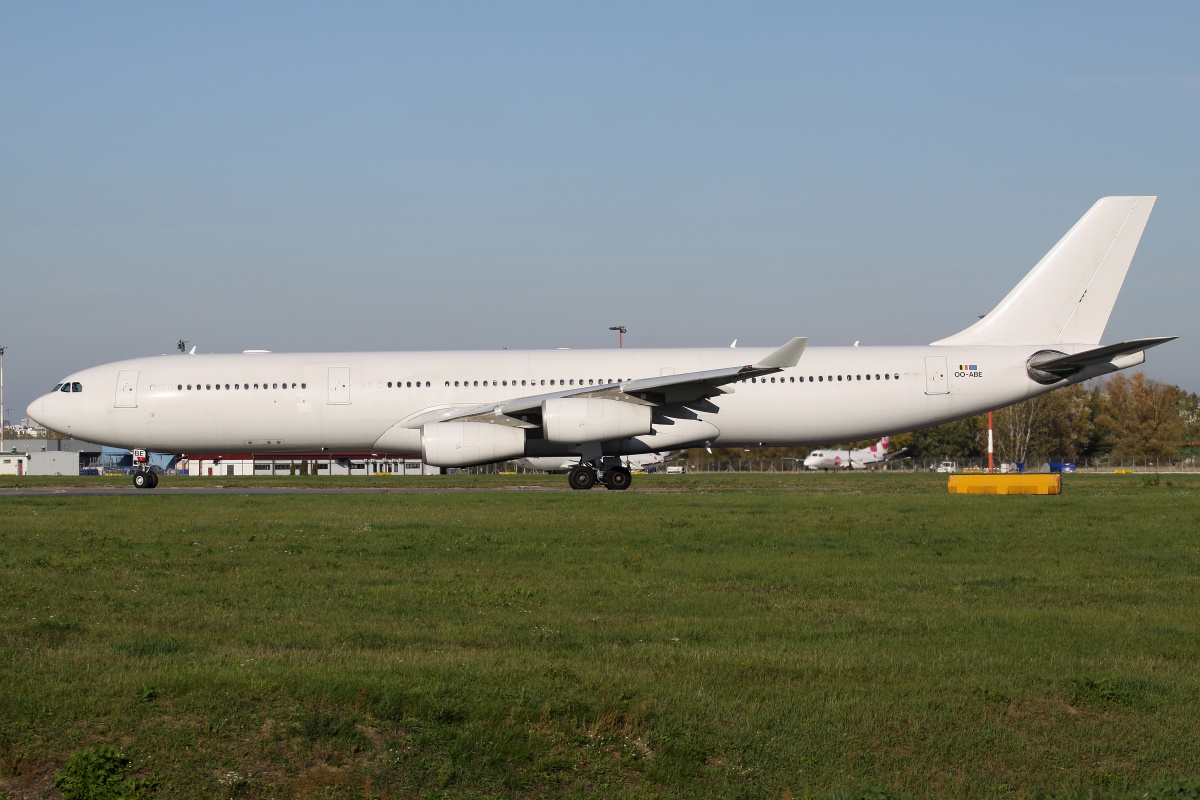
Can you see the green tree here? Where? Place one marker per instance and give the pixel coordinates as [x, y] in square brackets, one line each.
[1054, 426]
[1145, 418]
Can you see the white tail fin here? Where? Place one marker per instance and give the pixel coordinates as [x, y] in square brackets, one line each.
[1069, 295]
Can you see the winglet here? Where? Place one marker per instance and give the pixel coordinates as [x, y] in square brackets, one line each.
[786, 356]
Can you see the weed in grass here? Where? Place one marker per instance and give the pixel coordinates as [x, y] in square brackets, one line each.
[1105, 693]
[1175, 789]
[100, 773]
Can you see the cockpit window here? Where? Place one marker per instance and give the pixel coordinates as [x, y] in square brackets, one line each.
[76, 387]
[57, 386]
[66, 387]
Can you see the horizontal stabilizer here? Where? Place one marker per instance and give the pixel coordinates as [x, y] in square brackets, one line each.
[1059, 366]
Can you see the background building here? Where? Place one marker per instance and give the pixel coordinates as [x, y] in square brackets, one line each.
[48, 456]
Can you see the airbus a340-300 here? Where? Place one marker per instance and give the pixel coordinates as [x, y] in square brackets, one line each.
[466, 408]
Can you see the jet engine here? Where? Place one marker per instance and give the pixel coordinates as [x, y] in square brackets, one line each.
[468, 444]
[588, 419]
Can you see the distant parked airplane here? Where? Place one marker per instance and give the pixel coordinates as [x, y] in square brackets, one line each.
[850, 459]
[465, 408]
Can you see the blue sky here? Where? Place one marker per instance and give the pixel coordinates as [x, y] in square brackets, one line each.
[297, 176]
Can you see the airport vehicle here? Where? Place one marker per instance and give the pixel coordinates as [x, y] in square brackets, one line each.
[850, 459]
[947, 466]
[467, 408]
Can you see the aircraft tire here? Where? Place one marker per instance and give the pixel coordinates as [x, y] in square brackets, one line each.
[153, 479]
[581, 478]
[140, 481]
[618, 479]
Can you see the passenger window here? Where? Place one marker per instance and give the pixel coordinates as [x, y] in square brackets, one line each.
[839, 377]
[179, 387]
[522, 383]
[820, 378]
[274, 385]
[447, 384]
[858, 377]
[897, 376]
[477, 382]
[76, 387]
[887, 377]
[208, 387]
[543, 383]
[293, 386]
[426, 384]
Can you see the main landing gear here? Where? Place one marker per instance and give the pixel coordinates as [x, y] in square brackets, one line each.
[145, 479]
[615, 476]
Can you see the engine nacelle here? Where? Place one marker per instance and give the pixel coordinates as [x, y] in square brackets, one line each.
[589, 419]
[468, 444]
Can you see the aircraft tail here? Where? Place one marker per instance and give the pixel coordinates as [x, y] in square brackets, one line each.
[1068, 296]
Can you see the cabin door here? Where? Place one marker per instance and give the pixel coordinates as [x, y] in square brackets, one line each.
[339, 385]
[126, 389]
[935, 375]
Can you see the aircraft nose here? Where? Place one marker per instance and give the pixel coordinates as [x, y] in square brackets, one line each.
[36, 410]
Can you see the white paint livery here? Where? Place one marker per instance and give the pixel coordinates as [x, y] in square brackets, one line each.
[462, 408]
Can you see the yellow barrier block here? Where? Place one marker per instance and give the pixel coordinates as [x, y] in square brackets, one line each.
[1005, 484]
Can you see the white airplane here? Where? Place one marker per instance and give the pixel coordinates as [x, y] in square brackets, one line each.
[849, 459]
[568, 463]
[468, 408]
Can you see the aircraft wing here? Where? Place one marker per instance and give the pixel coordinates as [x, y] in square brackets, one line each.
[1064, 366]
[688, 388]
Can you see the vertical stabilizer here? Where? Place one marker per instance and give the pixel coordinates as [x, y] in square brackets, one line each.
[1069, 295]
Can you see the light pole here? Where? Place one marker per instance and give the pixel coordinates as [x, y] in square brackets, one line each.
[620, 329]
[2, 426]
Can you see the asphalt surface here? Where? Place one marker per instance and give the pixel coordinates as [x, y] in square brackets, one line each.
[121, 491]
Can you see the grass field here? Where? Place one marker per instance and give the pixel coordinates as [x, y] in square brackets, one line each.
[744, 636]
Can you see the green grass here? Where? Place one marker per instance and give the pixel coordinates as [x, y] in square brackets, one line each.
[748, 636]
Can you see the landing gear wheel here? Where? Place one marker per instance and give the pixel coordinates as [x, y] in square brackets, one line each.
[618, 479]
[581, 478]
[153, 480]
[141, 480]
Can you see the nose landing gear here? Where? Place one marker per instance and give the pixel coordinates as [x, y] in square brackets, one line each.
[143, 477]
